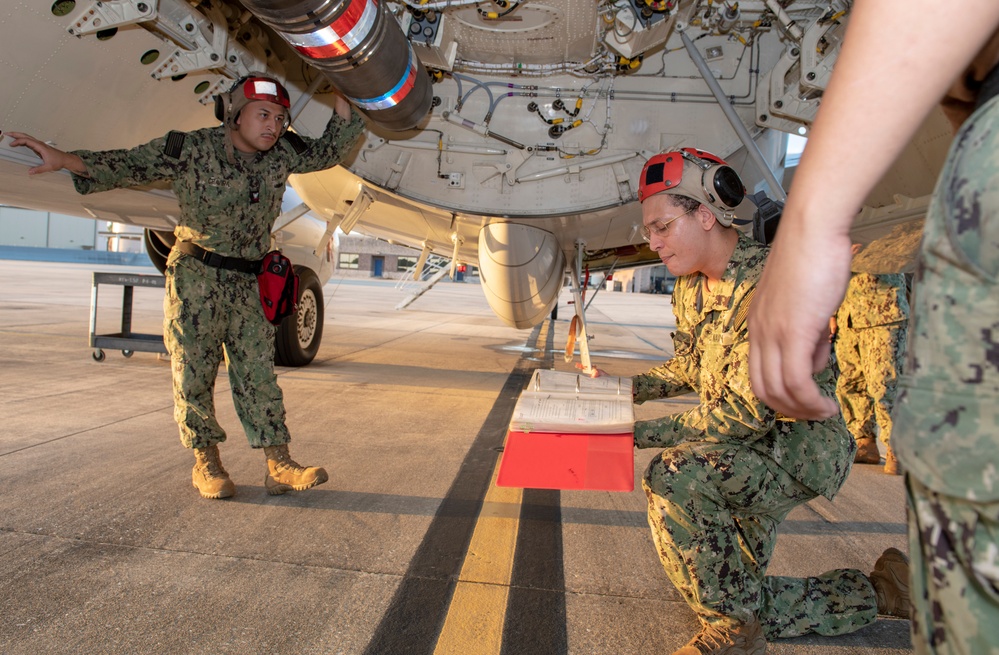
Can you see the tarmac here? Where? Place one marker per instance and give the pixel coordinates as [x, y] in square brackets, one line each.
[410, 548]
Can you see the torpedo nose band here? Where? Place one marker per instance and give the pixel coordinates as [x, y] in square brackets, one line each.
[395, 95]
[361, 49]
[341, 36]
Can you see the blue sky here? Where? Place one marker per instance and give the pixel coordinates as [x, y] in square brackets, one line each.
[795, 144]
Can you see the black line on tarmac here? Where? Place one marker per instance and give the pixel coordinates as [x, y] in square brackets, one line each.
[414, 619]
[535, 620]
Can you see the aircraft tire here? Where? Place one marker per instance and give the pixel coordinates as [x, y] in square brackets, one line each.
[298, 337]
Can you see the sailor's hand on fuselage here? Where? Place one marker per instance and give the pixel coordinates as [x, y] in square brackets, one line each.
[52, 158]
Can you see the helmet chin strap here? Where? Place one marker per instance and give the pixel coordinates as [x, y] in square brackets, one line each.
[230, 147]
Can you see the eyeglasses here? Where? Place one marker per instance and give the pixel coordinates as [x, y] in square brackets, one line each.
[660, 228]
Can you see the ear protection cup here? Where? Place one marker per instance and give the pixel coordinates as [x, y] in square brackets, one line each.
[725, 187]
[220, 107]
[223, 102]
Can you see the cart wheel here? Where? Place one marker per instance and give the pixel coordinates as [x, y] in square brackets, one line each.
[127, 353]
[98, 355]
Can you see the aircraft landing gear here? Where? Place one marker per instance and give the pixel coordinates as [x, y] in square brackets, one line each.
[578, 324]
[299, 335]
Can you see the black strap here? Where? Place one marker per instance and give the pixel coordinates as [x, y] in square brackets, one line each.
[989, 87]
[296, 142]
[216, 260]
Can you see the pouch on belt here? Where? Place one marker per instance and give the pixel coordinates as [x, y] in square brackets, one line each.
[278, 284]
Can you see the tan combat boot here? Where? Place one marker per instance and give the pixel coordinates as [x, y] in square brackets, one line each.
[891, 464]
[210, 478]
[746, 639]
[285, 474]
[867, 451]
[890, 580]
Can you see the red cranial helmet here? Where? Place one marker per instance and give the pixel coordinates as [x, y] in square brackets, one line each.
[256, 86]
[696, 174]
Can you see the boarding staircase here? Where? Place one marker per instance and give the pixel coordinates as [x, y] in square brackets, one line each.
[415, 284]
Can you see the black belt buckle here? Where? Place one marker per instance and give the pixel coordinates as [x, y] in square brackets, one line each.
[214, 259]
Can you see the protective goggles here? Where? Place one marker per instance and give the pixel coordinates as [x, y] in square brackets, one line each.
[717, 185]
[263, 88]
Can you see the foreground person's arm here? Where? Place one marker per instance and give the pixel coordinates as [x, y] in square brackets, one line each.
[897, 61]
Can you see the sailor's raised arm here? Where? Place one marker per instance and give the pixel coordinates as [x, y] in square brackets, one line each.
[53, 159]
[342, 107]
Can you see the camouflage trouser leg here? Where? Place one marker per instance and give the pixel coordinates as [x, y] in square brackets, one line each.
[882, 351]
[851, 386]
[714, 512]
[205, 308]
[955, 573]
[870, 361]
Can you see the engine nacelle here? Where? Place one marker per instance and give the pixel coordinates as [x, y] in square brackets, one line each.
[522, 270]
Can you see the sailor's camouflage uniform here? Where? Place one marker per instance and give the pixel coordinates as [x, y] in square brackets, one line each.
[870, 344]
[947, 415]
[209, 309]
[732, 470]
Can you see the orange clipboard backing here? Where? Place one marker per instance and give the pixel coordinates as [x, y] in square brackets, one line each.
[547, 460]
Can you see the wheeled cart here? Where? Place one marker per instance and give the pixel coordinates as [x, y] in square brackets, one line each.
[126, 340]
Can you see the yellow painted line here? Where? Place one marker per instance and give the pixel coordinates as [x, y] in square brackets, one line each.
[475, 618]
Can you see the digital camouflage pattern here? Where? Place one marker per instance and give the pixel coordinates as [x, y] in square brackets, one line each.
[213, 189]
[205, 307]
[955, 578]
[733, 469]
[871, 327]
[711, 358]
[210, 313]
[873, 300]
[716, 544]
[947, 415]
